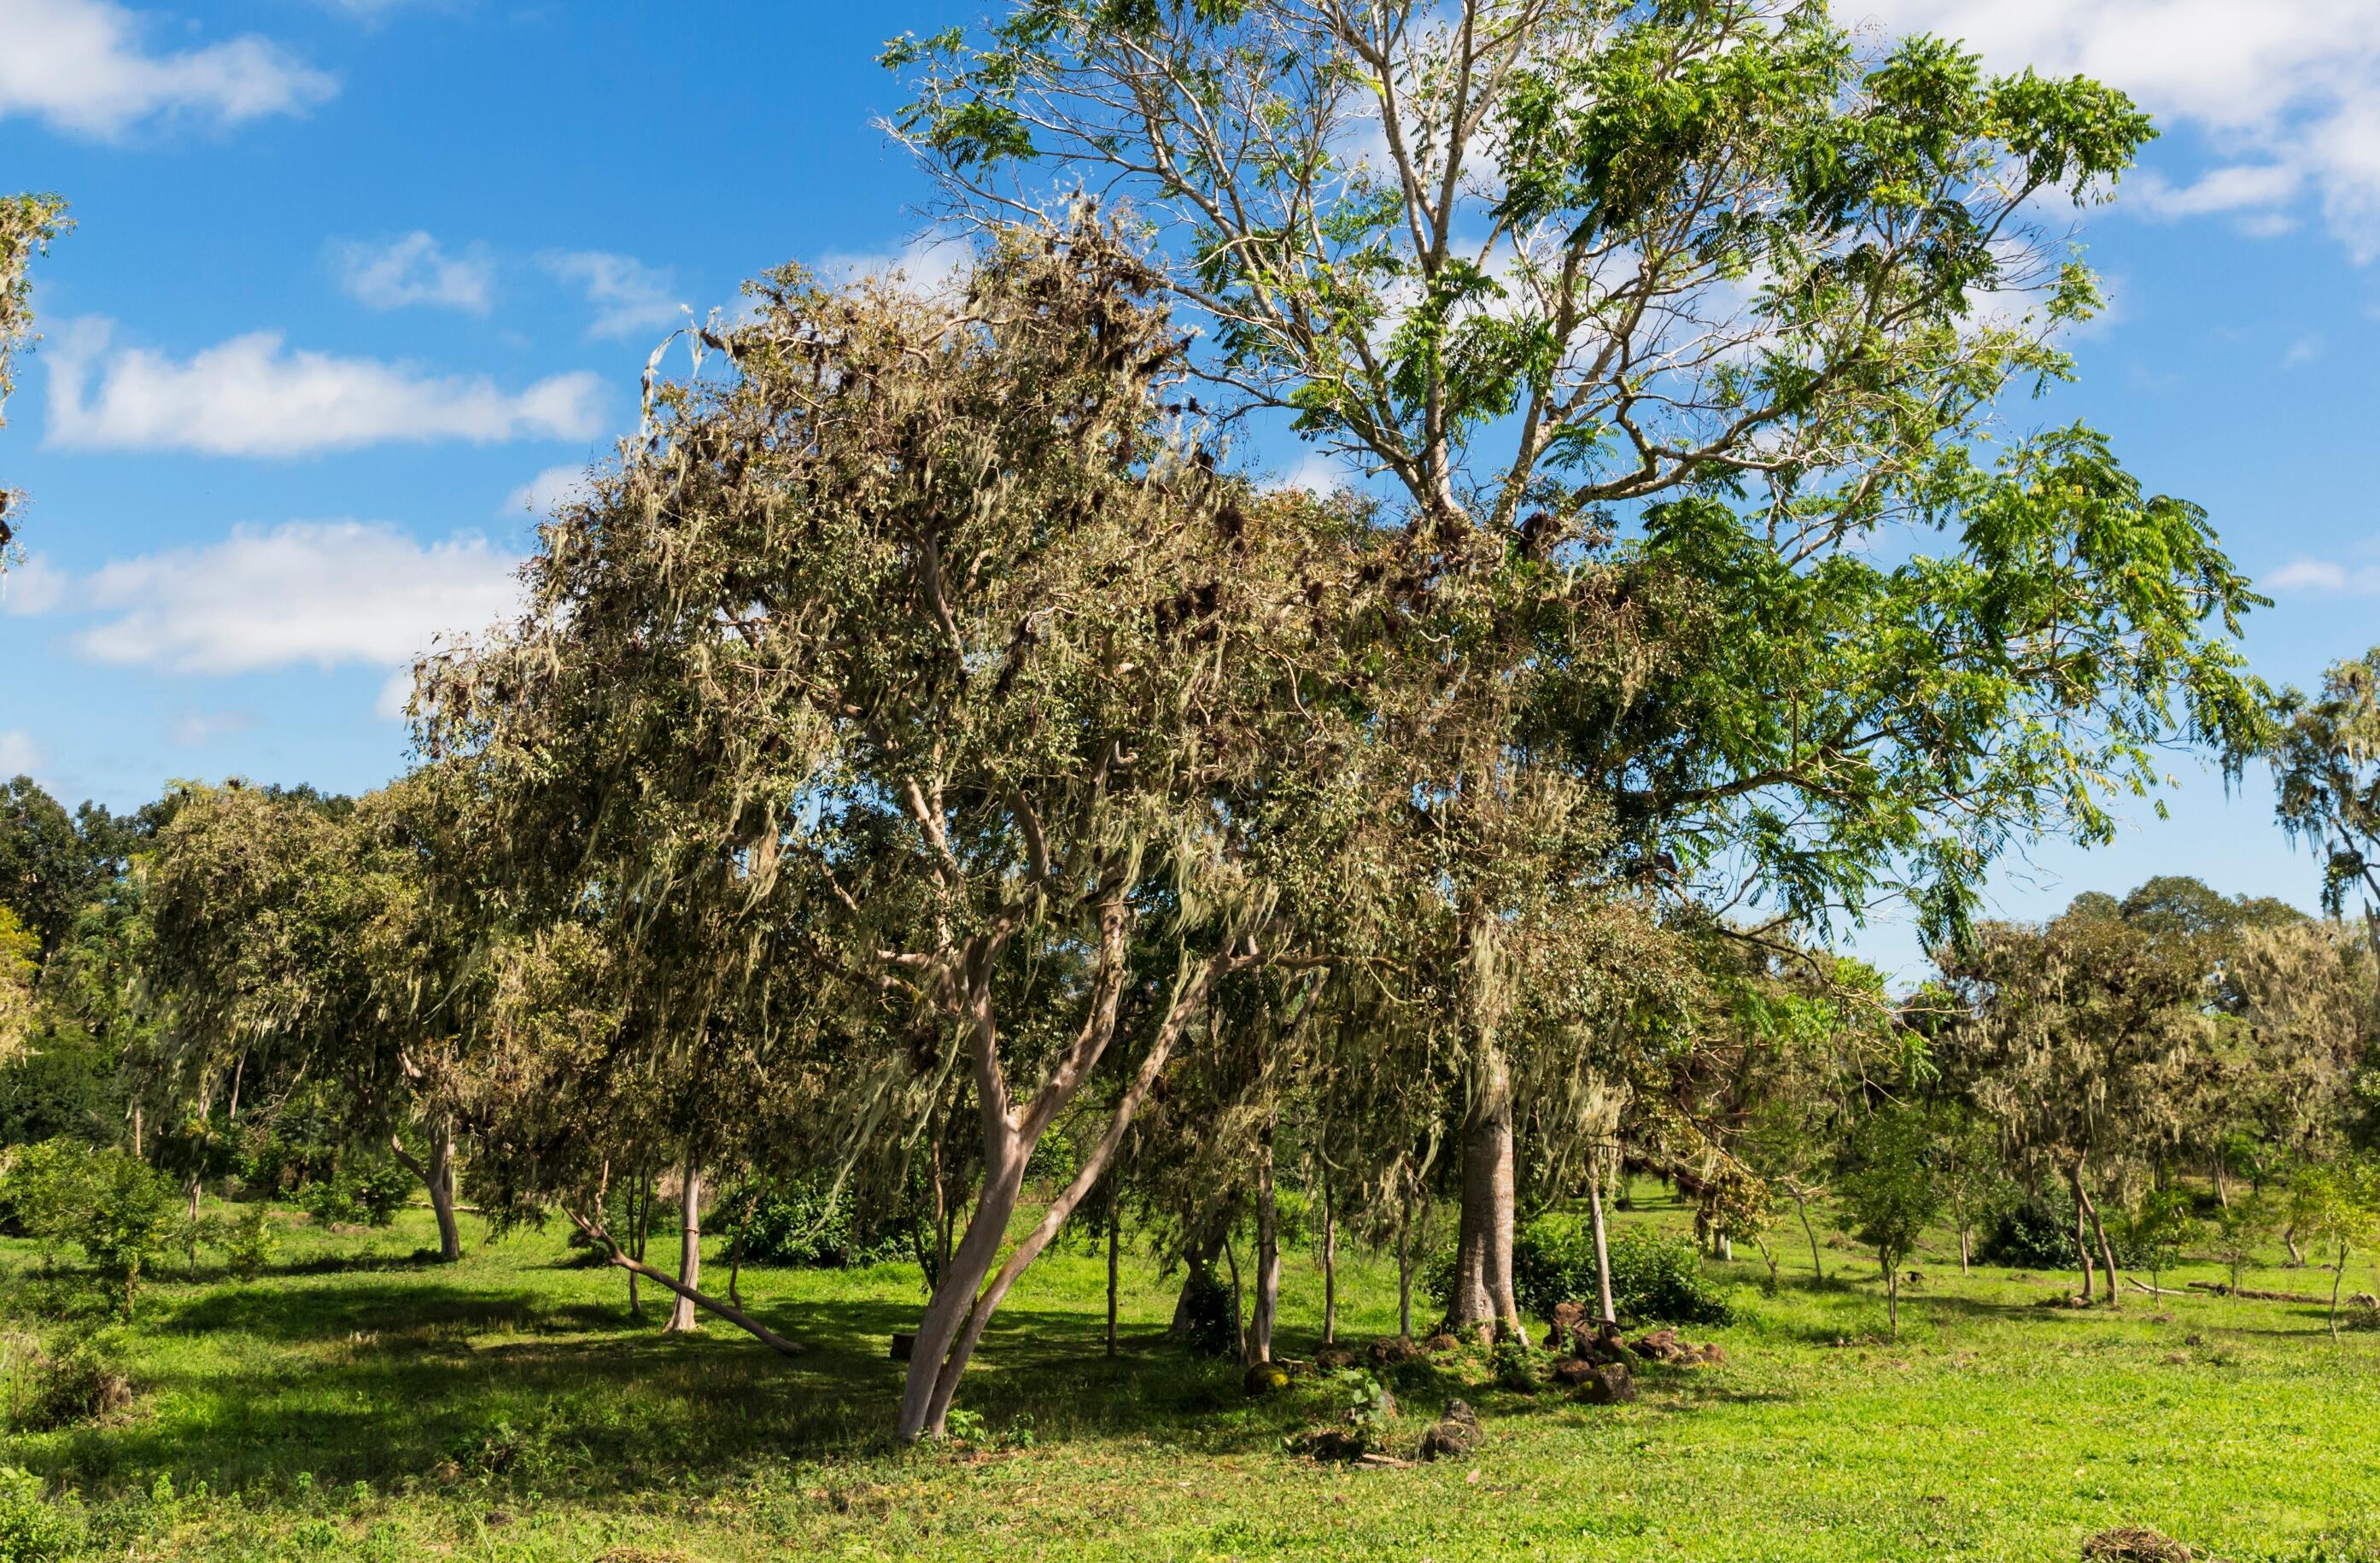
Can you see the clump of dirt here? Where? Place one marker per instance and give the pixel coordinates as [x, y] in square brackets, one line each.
[1454, 1436]
[2134, 1543]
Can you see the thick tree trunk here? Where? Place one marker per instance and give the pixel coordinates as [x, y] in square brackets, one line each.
[437, 1175]
[682, 1319]
[1267, 1304]
[1603, 1310]
[2099, 1236]
[1482, 1251]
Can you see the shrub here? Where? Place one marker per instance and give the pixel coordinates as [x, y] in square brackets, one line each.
[1653, 1277]
[32, 1529]
[1514, 1362]
[1209, 1327]
[246, 1242]
[2037, 1232]
[814, 1228]
[59, 1386]
[366, 1195]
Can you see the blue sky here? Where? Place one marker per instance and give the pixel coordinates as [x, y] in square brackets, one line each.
[356, 280]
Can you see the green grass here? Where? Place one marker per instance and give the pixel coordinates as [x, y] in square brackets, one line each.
[358, 1402]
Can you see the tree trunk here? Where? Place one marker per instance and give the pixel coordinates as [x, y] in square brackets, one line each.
[643, 1196]
[1267, 1304]
[1239, 1315]
[1404, 1272]
[2099, 1235]
[2290, 1241]
[1483, 1252]
[600, 1237]
[2083, 1230]
[1802, 1203]
[681, 1318]
[1966, 1243]
[1329, 1272]
[1891, 1294]
[1115, 1242]
[964, 1300]
[2337, 1280]
[2222, 1182]
[438, 1177]
[1603, 1313]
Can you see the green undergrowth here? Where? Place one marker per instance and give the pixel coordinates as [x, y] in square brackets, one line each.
[359, 1400]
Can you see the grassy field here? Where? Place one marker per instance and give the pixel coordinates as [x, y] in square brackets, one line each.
[358, 1402]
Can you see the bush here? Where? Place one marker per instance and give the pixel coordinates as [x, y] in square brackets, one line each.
[1207, 1308]
[1654, 1279]
[73, 1381]
[32, 1529]
[246, 1242]
[366, 1195]
[2037, 1232]
[813, 1228]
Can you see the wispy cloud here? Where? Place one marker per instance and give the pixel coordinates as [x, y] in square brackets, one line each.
[329, 593]
[547, 493]
[414, 270]
[31, 587]
[930, 265]
[84, 67]
[630, 298]
[196, 730]
[20, 753]
[2304, 574]
[252, 397]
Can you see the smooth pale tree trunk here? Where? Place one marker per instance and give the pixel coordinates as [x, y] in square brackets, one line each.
[1268, 1305]
[2099, 1236]
[969, 1291]
[1483, 1249]
[437, 1175]
[2083, 1232]
[682, 1319]
[2337, 1280]
[1329, 1272]
[1603, 1312]
[1801, 1204]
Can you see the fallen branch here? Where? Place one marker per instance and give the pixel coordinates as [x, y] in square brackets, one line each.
[596, 1234]
[2222, 1289]
[2154, 1291]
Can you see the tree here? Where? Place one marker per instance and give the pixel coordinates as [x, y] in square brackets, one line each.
[19, 971]
[2326, 765]
[1675, 309]
[2336, 1204]
[2077, 1038]
[909, 698]
[28, 223]
[1887, 1183]
[2158, 1223]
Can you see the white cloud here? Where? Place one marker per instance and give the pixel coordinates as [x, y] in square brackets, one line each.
[20, 753]
[31, 587]
[414, 270]
[251, 397]
[630, 298]
[2303, 574]
[82, 66]
[548, 492]
[332, 593]
[931, 265]
[2287, 92]
[2304, 350]
[194, 729]
[1321, 474]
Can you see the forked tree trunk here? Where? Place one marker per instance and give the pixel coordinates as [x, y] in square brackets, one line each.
[1801, 1204]
[437, 1175]
[969, 1291]
[1483, 1249]
[682, 1319]
[2099, 1236]
[1268, 1305]
[1603, 1310]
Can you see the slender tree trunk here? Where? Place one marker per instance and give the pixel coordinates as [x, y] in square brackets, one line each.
[1239, 1313]
[1891, 1294]
[643, 1195]
[2083, 1230]
[2222, 1183]
[2337, 1280]
[1801, 1204]
[1329, 1271]
[2290, 1241]
[1404, 1271]
[1115, 1242]
[1603, 1313]
[599, 1235]
[1268, 1302]
[136, 1131]
[2099, 1235]
[1483, 1253]
[735, 1248]
[682, 1319]
[1966, 1243]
